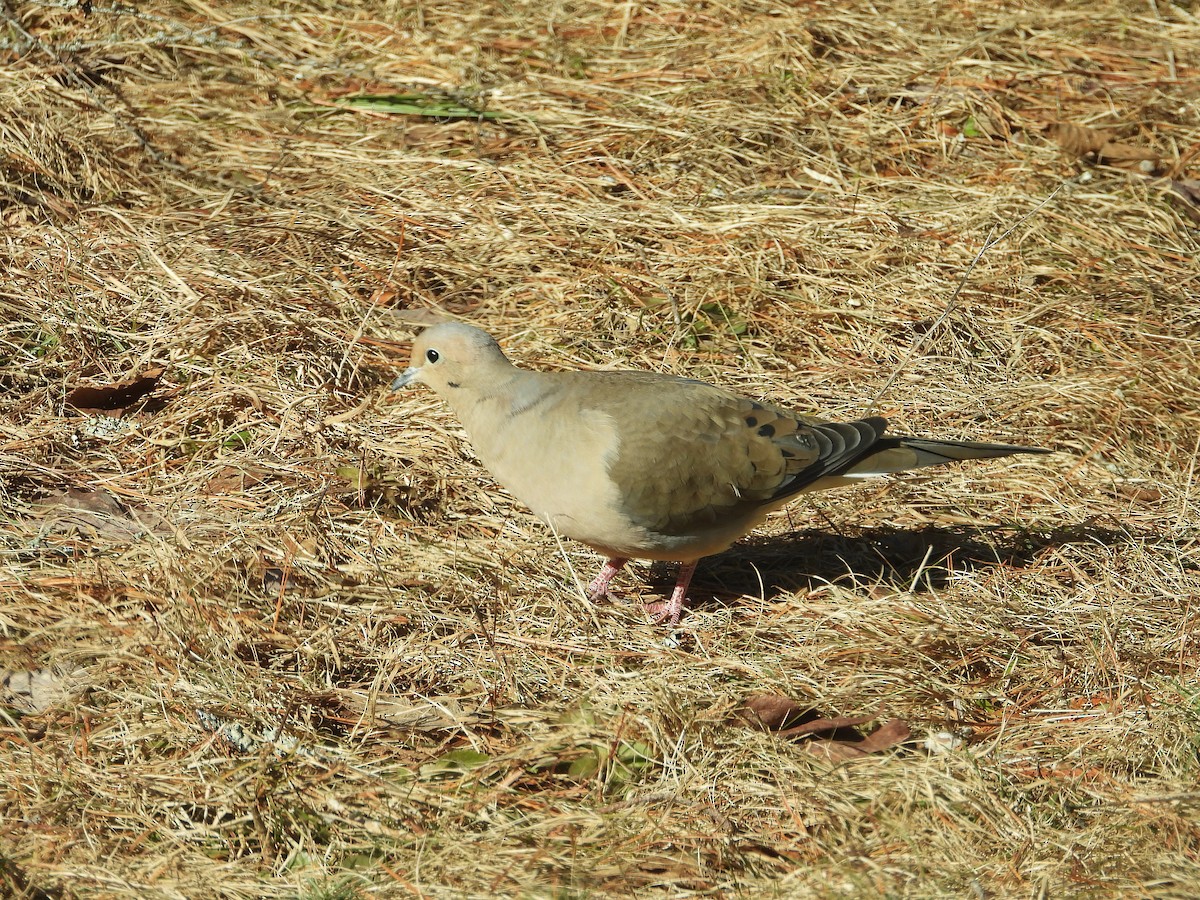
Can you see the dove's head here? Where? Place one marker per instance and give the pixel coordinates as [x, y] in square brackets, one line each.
[452, 357]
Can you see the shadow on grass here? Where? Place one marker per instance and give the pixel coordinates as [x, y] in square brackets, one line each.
[897, 559]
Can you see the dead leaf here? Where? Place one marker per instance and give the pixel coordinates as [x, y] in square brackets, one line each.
[417, 714]
[835, 751]
[230, 480]
[115, 399]
[96, 515]
[786, 717]
[823, 725]
[34, 690]
[770, 712]
[1189, 191]
[886, 736]
[96, 502]
[420, 316]
[1079, 140]
[1137, 492]
[382, 296]
[1126, 155]
[775, 712]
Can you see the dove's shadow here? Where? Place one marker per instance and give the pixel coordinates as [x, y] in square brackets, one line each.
[896, 559]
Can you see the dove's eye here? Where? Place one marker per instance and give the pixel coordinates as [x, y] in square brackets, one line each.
[431, 355]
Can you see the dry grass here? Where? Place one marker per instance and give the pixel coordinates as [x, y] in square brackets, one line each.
[307, 648]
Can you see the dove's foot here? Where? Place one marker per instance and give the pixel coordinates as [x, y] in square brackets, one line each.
[668, 612]
[598, 589]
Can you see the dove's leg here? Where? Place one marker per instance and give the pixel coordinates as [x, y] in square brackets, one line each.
[668, 613]
[598, 589]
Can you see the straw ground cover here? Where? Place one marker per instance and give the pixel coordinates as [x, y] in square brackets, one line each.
[267, 631]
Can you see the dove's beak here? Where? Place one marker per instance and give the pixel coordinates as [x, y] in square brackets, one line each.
[411, 374]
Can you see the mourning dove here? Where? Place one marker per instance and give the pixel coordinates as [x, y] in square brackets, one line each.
[651, 466]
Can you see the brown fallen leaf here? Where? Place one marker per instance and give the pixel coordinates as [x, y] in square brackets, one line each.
[770, 712]
[419, 316]
[115, 399]
[35, 690]
[775, 712]
[886, 736]
[87, 512]
[409, 714]
[96, 515]
[830, 725]
[1127, 156]
[1079, 140]
[1138, 492]
[1189, 192]
[790, 719]
[230, 480]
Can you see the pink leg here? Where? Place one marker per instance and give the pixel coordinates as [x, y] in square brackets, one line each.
[668, 613]
[598, 589]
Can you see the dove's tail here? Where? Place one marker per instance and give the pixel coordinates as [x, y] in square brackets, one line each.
[899, 454]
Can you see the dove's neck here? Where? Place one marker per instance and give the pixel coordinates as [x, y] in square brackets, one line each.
[492, 407]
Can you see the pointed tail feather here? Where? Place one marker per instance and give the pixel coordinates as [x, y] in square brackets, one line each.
[899, 454]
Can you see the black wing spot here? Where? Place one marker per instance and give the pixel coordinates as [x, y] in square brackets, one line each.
[751, 421]
[756, 406]
[767, 431]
